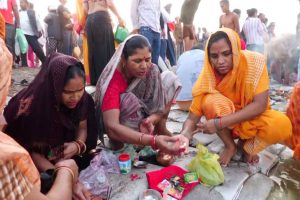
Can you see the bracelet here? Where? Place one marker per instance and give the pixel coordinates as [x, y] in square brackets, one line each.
[82, 146]
[153, 142]
[78, 147]
[216, 124]
[67, 168]
[141, 137]
[220, 124]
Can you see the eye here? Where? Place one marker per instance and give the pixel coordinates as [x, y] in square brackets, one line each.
[227, 53]
[214, 56]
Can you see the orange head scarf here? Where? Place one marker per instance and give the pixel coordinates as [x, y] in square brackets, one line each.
[242, 79]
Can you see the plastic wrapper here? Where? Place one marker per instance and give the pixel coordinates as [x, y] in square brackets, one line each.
[207, 167]
[94, 177]
[21, 39]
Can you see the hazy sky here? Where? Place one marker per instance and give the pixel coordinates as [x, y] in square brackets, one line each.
[283, 12]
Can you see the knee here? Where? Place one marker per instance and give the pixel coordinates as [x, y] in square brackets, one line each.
[216, 105]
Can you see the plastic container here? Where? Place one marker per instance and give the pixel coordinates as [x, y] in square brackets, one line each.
[124, 163]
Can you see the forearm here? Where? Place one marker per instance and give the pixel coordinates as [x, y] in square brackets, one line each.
[124, 134]
[41, 162]
[155, 118]
[62, 187]
[113, 8]
[189, 127]
[247, 113]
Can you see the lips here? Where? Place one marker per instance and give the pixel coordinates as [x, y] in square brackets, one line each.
[72, 104]
[141, 73]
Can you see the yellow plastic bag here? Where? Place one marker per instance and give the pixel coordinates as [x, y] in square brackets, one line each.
[207, 167]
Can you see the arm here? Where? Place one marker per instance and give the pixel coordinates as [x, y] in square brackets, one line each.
[252, 110]
[190, 125]
[48, 19]
[119, 132]
[113, 8]
[16, 14]
[41, 163]
[62, 187]
[86, 7]
[82, 131]
[220, 22]
[236, 24]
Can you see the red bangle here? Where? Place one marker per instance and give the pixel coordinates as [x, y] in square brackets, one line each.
[220, 124]
[153, 142]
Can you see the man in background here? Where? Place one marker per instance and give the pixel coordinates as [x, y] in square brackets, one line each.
[229, 19]
[9, 10]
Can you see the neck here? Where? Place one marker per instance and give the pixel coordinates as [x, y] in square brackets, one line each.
[125, 73]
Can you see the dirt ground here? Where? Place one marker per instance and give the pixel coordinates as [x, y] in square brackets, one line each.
[19, 75]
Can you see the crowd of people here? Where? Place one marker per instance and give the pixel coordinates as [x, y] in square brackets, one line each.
[50, 127]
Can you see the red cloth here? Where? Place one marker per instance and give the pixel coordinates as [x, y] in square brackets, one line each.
[116, 87]
[8, 13]
[155, 177]
[243, 44]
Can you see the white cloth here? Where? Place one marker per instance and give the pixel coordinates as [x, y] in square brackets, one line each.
[25, 23]
[146, 13]
[189, 66]
[254, 30]
[3, 4]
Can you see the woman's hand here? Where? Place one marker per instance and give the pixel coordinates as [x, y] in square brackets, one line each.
[80, 192]
[207, 127]
[146, 126]
[169, 145]
[183, 142]
[70, 150]
[121, 22]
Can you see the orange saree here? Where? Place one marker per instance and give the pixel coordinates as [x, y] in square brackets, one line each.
[248, 78]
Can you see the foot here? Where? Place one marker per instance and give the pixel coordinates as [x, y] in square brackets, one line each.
[226, 155]
[252, 159]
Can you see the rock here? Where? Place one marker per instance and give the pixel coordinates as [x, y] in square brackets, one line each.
[216, 146]
[252, 190]
[178, 115]
[174, 126]
[205, 139]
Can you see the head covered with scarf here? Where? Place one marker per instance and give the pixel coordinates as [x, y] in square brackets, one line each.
[36, 116]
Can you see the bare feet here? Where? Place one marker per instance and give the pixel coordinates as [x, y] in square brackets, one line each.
[226, 155]
[252, 159]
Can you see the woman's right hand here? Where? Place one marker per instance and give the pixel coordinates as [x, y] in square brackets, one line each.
[170, 145]
[71, 164]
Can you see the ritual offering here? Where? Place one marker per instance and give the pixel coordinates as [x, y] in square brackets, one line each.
[124, 163]
[150, 194]
[164, 159]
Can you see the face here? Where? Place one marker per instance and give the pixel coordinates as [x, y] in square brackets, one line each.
[137, 65]
[63, 1]
[73, 92]
[23, 4]
[224, 6]
[221, 57]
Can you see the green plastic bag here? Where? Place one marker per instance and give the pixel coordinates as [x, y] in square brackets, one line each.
[121, 34]
[207, 167]
[21, 40]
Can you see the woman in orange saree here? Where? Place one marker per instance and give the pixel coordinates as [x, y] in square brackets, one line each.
[232, 93]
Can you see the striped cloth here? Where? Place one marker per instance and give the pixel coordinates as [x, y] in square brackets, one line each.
[254, 31]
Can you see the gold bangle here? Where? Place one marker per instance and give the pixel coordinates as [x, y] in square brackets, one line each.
[82, 146]
[67, 168]
[78, 147]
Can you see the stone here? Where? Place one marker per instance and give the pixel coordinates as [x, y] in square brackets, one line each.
[178, 116]
[257, 187]
[174, 127]
[216, 146]
[205, 139]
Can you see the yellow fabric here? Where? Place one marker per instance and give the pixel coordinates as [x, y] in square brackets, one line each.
[293, 112]
[81, 15]
[237, 89]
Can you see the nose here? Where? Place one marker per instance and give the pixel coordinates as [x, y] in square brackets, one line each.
[143, 64]
[76, 96]
[221, 60]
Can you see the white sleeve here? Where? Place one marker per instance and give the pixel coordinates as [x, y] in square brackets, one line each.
[166, 16]
[134, 14]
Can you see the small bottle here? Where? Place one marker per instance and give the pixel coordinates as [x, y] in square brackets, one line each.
[124, 163]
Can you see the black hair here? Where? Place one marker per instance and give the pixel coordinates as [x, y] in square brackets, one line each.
[224, 1]
[237, 11]
[198, 46]
[215, 37]
[136, 42]
[251, 12]
[74, 70]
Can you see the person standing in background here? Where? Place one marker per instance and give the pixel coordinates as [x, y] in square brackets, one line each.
[32, 30]
[100, 36]
[53, 43]
[229, 19]
[9, 10]
[66, 27]
[188, 10]
[145, 15]
[178, 34]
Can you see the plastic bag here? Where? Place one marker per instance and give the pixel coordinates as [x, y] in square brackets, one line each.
[121, 34]
[21, 40]
[207, 167]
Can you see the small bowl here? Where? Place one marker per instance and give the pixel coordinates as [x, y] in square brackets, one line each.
[150, 194]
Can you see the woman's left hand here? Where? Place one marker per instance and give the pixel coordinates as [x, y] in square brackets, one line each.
[121, 22]
[70, 150]
[207, 127]
[80, 192]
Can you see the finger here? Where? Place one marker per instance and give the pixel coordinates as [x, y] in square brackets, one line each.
[200, 125]
[86, 194]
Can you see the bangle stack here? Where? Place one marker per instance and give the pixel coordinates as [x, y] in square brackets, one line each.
[80, 146]
[153, 142]
[218, 124]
